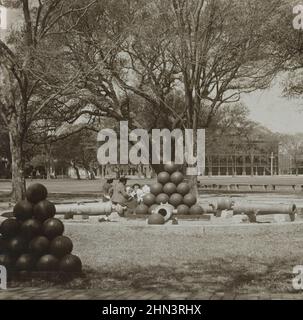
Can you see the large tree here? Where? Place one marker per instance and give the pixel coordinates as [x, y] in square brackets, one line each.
[287, 48]
[209, 50]
[204, 52]
[33, 75]
[184, 59]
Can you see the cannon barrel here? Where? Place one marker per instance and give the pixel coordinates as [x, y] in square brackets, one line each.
[252, 211]
[209, 208]
[225, 204]
[91, 209]
[264, 209]
[166, 210]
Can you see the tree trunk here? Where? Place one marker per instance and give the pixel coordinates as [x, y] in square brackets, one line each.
[18, 178]
[48, 164]
[48, 172]
[252, 165]
[192, 124]
[77, 172]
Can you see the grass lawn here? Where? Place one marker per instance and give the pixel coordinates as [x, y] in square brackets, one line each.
[187, 257]
[242, 259]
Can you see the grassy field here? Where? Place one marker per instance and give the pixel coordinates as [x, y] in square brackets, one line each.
[187, 257]
[253, 259]
[94, 186]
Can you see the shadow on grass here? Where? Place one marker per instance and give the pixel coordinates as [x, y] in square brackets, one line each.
[236, 274]
[5, 197]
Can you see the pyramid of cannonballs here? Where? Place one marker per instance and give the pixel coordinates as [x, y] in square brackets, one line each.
[173, 189]
[33, 240]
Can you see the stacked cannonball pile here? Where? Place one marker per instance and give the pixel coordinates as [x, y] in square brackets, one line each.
[33, 240]
[170, 188]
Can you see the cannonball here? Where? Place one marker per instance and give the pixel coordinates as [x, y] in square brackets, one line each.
[61, 246]
[23, 210]
[152, 208]
[177, 177]
[183, 209]
[30, 228]
[156, 188]
[163, 177]
[6, 261]
[25, 262]
[189, 199]
[52, 228]
[196, 210]
[16, 245]
[175, 199]
[169, 188]
[47, 263]
[36, 193]
[149, 199]
[70, 263]
[183, 188]
[142, 209]
[44, 210]
[3, 245]
[9, 228]
[156, 219]
[39, 246]
[171, 167]
[162, 198]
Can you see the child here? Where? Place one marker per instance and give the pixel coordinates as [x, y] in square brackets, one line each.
[137, 193]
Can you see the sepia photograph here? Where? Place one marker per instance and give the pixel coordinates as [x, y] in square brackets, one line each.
[151, 150]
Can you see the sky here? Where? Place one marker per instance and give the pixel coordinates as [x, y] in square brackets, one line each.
[277, 113]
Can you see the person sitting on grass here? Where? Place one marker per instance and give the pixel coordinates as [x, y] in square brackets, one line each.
[130, 191]
[145, 189]
[107, 189]
[119, 194]
[137, 193]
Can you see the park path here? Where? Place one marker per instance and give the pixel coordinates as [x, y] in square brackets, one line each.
[131, 294]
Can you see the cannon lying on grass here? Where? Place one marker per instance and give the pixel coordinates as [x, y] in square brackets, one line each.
[95, 208]
[104, 208]
[218, 206]
[252, 211]
[82, 208]
[90, 209]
